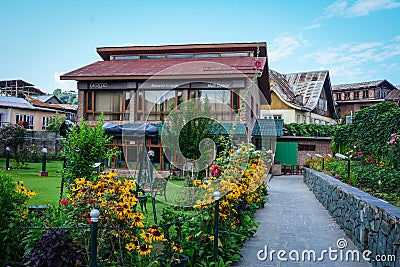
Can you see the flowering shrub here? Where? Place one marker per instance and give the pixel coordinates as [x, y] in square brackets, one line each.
[394, 150]
[13, 209]
[125, 236]
[239, 175]
[13, 136]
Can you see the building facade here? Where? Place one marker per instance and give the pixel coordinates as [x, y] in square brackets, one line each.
[300, 98]
[355, 96]
[143, 84]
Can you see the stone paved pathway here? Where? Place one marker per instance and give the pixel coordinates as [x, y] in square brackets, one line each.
[293, 219]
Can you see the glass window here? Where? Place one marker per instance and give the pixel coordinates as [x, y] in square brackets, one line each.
[239, 54]
[220, 101]
[156, 104]
[152, 56]
[130, 57]
[45, 122]
[24, 120]
[172, 56]
[205, 55]
[90, 100]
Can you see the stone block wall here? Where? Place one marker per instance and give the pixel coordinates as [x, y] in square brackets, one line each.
[37, 140]
[371, 223]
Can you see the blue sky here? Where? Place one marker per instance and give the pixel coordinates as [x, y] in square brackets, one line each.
[356, 40]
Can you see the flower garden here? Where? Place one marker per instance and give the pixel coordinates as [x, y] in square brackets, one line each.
[185, 236]
[372, 145]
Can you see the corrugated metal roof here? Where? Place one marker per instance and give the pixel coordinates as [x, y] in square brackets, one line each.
[300, 89]
[15, 102]
[225, 128]
[150, 67]
[268, 127]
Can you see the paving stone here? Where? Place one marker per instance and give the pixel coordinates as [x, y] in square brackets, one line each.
[293, 219]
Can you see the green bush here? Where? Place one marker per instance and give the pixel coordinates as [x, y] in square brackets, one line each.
[13, 209]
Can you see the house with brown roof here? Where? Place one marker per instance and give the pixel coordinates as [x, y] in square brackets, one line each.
[16, 110]
[143, 84]
[352, 97]
[304, 97]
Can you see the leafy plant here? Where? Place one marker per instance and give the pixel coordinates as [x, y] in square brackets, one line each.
[83, 147]
[13, 136]
[54, 248]
[13, 208]
[55, 123]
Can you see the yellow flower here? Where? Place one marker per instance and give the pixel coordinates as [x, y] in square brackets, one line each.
[197, 182]
[147, 236]
[130, 246]
[144, 249]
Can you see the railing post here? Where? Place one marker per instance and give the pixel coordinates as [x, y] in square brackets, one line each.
[7, 158]
[217, 196]
[94, 218]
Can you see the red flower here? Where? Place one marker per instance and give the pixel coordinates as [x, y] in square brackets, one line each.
[89, 220]
[216, 169]
[90, 201]
[64, 201]
[359, 153]
[257, 64]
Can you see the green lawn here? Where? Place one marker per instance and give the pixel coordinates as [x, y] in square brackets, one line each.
[48, 188]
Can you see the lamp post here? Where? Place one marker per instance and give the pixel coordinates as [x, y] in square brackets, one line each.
[150, 154]
[8, 158]
[343, 157]
[94, 219]
[44, 172]
[323, 161]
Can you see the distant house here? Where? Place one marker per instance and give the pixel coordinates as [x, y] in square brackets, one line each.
[15, 110]
[49, 99]
[355, 96]
[69, 110]
[300, 98]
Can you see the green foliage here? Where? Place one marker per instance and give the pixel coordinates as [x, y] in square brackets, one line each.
[66, 97]
[187, 127]
[13, 199]
[13, 136]
[304, 129]
[370, 130]
[83, 147]
[380, 181]
[55, 123]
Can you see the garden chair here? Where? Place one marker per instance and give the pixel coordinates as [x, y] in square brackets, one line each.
[159, 187]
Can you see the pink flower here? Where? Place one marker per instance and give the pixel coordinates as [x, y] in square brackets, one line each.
[359, 153]
[216, 169]
[64, 201]
[336, 176]
[257, 64]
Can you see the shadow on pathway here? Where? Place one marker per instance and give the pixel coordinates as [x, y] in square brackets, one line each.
[293, 219]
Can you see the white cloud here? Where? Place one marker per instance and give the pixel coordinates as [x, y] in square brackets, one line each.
[282, 47]
[64, 85]
[351, 9]
[357, 60]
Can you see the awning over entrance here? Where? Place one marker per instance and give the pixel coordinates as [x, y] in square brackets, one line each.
[131, 130]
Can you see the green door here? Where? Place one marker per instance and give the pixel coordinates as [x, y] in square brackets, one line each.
[286, 152]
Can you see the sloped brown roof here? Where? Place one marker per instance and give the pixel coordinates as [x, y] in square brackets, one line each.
[37, 103]
[355, 86]
[146, 68]
[393, 95]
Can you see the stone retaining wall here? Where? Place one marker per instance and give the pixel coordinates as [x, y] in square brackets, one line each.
[371, 223]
